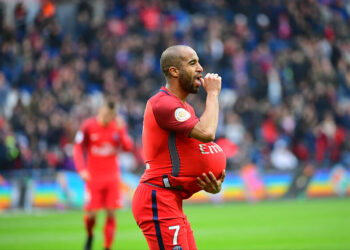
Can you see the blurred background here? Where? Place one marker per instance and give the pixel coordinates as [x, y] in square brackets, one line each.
[284, 119]
[285, 101]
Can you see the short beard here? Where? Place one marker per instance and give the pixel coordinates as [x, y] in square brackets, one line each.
[187, 83]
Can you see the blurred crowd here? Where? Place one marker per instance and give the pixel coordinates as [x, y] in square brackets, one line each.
[285, 66]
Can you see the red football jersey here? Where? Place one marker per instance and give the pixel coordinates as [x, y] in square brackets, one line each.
[96, 147]
[172, 157]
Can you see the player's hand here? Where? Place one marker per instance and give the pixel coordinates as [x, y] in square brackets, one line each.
[84, 175]
[211, 184]
[211, 83]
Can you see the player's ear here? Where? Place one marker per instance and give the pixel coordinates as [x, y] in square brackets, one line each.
[174, 72]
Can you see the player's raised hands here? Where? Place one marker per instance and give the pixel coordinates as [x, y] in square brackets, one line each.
[211, 83]
[211, 184]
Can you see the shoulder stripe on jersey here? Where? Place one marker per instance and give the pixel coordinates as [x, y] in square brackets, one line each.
[174, 155]
[156, 220]
[162, 90]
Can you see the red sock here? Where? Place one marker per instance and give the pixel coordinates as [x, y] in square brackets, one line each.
[89, 225]
[109, 231]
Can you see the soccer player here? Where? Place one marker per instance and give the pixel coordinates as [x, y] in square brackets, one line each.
[99, 139]
[180, 155]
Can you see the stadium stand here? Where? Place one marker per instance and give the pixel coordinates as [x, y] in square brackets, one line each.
[285, 68]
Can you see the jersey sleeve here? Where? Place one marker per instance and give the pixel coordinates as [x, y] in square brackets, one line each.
[80, 145]
[172, 116]
[126, 142]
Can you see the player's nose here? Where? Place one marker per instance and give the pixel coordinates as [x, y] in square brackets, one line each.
[199, 68]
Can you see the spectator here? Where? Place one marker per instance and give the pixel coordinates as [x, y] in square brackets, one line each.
[282, 158]
[4, 92]
[20, 14]
[287, 63]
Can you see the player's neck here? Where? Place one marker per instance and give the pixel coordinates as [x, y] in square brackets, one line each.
[177, 91]
[101, 121]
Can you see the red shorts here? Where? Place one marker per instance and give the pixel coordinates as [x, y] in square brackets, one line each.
[158, 212]
[105, 195]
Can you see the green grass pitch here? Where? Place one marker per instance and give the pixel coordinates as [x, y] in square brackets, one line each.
[292, 224]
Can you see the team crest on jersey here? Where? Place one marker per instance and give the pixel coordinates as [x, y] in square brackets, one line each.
[182, 115]
[94, 137]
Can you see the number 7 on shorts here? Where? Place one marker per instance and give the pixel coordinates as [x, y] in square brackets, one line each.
[177, 229]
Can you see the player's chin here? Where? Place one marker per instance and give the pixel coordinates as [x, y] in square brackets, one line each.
[194, 90]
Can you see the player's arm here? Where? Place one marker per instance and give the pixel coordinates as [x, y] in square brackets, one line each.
[78, 154]
[205, 129]
[126, 141]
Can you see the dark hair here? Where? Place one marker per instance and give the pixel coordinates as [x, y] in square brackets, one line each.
[109, 102]
[171, 57]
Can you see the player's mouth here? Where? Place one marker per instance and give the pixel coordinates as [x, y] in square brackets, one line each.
[197, 81]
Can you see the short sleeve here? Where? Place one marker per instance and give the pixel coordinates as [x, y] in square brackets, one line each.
[171, 115]
[81, 136]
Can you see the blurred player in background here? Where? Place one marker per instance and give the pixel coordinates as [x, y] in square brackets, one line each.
[180, 155]
[95, 157]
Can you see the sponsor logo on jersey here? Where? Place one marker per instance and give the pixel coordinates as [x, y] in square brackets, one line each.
[79, 137]
[209, 148]
[182, 114]
[106, 149]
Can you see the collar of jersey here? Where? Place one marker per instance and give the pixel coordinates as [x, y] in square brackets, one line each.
[165, 90]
